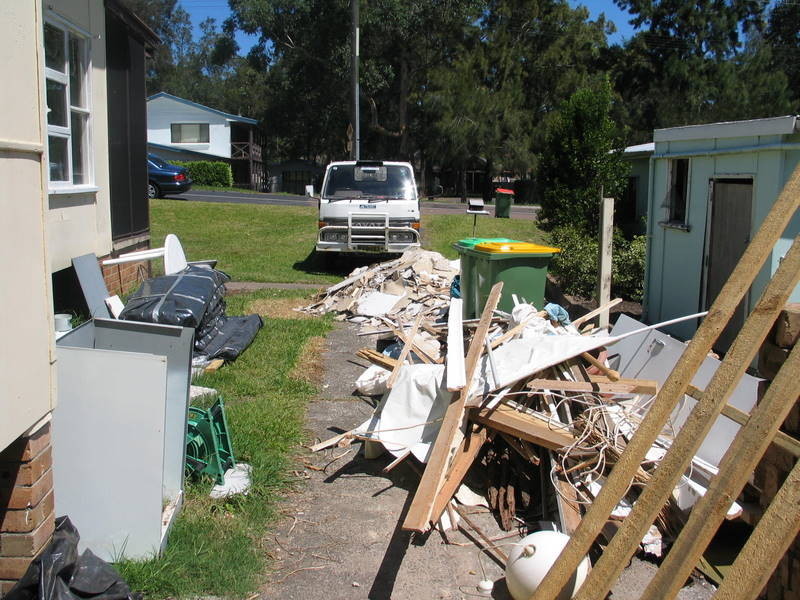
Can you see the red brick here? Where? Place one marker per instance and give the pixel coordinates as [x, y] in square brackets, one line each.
[27, 519]
[27, 496]
[27, 544]
[25, 473]
[770, 360]
[26, 448]
[787, 328]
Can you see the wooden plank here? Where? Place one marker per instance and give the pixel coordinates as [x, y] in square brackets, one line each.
[376, 358]
[404, 352]
[610, 373]
[623, 386]
[698, 424]
[516, 329]
[766, 545]
[419, 513]
[604, 257]
[673, 390]
[735, 468]
[781, 439]
[522, 448]
[524, 426]
[467, 453]
[592, 314]
[456, 376]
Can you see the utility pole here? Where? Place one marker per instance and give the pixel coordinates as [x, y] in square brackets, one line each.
[355, 152]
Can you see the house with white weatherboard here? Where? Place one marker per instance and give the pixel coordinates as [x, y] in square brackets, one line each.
[179, 129]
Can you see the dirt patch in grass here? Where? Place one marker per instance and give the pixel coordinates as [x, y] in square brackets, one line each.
[279, 308]
[309, 366]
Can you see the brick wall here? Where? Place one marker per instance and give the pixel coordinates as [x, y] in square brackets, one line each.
[776, 464]
[121, 279]
[27, 517]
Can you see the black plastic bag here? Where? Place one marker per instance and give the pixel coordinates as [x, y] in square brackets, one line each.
[235, 335]
[180, 299]
[58, 573]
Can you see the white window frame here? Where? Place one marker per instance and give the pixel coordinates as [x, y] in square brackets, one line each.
[65, 132]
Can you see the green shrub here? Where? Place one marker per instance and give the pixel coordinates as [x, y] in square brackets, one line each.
[207, 172]
[575, 266]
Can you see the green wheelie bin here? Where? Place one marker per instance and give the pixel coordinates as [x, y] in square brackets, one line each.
[468, 269]
[521, 266]
[503, 199]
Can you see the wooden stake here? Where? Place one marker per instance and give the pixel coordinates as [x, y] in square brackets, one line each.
[419, 513]
[781, 440]
[673, 389]
[610, 373]
[735, 468]
[592, 314]
[696, 427]
[766, 545]
[404, 352]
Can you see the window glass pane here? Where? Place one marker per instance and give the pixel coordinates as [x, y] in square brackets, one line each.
[53, 47]
[189, 133]
[78, 146]
[57, 155]
[57, 103]
[77, 70]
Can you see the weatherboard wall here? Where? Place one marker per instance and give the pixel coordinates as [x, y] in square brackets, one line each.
[674, 278]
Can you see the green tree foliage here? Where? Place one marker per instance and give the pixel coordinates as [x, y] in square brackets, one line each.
[690, 65]
[580, 156]
[782, 36]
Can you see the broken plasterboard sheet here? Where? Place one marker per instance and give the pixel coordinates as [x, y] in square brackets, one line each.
[409, 416]
[376, 304]
[520, 358]
[652, 355]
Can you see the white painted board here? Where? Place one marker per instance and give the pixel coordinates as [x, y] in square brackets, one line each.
[652, 355]
[108, 449]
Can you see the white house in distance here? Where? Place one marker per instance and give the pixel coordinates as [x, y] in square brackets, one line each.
[179, 129]
[711, 186]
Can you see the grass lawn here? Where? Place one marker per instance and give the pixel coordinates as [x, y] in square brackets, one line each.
[276, 243]
[220, 188]
[214, 548]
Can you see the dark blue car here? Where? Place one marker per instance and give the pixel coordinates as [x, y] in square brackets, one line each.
[165, 178]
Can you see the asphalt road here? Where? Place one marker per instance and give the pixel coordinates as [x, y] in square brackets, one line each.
[438, 207]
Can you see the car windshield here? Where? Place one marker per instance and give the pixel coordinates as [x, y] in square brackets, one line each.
[382, 182]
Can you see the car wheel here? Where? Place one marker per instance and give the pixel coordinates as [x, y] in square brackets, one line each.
[153, 191]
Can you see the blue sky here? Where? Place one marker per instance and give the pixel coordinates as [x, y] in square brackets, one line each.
[219, 10]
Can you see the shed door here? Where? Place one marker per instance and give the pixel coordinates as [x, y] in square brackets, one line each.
[728, 234]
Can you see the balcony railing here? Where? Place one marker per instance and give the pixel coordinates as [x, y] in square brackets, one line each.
[245, 150]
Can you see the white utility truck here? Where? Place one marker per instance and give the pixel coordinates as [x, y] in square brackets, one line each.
[368, 206]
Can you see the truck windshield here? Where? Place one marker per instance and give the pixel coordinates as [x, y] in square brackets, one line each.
[384, 182]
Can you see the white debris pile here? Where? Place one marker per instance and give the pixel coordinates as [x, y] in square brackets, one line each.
[400, 289]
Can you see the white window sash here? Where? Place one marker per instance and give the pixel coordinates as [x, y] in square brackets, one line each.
[65, 132]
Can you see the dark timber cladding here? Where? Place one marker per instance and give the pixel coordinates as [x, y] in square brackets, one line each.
[127, 40]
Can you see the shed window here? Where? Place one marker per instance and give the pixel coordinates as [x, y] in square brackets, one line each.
[189, 133]
[67, 68]
[678, 191]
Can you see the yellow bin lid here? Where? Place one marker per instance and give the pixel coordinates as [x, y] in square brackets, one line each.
[515, 248]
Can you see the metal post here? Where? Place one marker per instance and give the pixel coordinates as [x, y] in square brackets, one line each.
[355, 152]
[604, 272]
